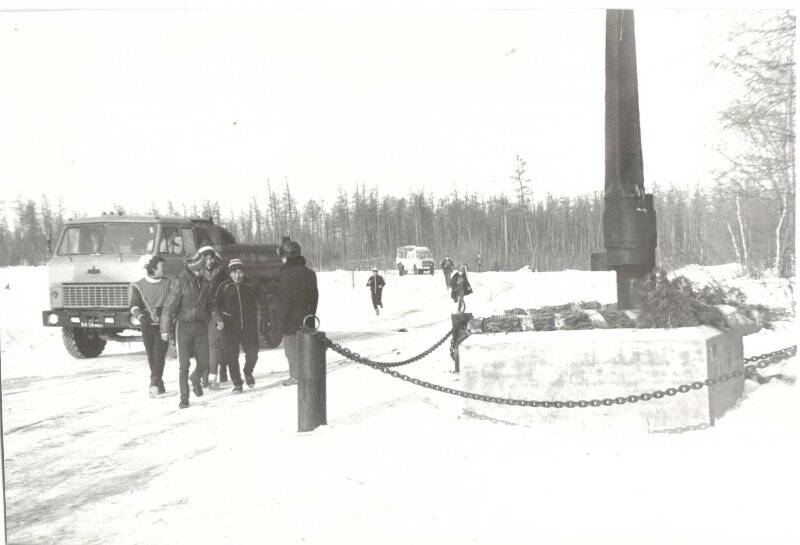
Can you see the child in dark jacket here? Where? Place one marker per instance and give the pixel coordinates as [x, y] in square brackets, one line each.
[237, 300]
[146, 303]
[459, 286]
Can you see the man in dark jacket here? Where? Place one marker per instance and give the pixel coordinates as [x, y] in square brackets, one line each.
[191, 303]
[215, 272]
[237, 301]
[297, 298]
[447, 268]
[375, 284]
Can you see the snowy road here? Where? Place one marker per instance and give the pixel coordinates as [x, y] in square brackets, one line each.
[89, 458]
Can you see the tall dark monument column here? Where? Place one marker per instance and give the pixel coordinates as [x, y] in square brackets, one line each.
[629, 220]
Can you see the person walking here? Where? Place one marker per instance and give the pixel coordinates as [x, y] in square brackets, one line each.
[237, 302]
[215, 272]
[146, 303]
[375, 283]
[460, 288]
[191, 303]
[447, 268]
[297, 298]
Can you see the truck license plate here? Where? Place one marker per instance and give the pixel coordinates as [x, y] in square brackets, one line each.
[91, 324]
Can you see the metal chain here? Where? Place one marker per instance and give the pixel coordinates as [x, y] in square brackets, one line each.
[355, 356]
[763, 360]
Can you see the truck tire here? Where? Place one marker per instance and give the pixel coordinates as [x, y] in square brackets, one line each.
[400, 269]
[80, 345]
[268, 336]
[415, 270]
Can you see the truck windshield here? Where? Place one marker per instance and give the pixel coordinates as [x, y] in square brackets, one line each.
[424, 254]
[108, 238]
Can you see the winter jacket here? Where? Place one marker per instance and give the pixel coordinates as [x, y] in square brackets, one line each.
[190, 299]
[376, 286]
[297, 295]
[149, 296]
[446, 264]
[459, 285]
[238, 304]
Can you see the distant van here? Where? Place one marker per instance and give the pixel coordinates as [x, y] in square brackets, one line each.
[414, 259]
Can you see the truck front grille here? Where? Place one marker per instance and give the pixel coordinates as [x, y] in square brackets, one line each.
[96, 295]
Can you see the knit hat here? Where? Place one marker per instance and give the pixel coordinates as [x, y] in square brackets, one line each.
[291, 248]
[374, 269]
[206, 250]
[234, 264]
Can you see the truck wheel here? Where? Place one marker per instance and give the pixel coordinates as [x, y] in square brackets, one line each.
[80, 345]
[268, 336]
[415, 270]
[400, 269]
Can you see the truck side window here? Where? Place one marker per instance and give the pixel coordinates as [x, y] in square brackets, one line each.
[201, 236]
[171, 241]
[188, 241]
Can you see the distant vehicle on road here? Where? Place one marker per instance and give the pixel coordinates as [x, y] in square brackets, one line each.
[95, 262]
[414, 259]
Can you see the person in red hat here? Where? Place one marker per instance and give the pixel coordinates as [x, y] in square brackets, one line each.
[237, 301]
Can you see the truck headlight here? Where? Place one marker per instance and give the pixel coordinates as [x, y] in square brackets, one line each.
[52, 319]
[108, 320]
[54, 294]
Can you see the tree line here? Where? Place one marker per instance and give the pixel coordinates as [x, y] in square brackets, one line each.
[364, 228]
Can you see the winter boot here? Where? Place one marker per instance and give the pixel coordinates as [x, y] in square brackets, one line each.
[223, 373]
[204, 382]
[249, 380]
[160, 386]
[198, 389]
[237, 388]
[212, 382]
[184, 404]
[290, 381]
[153, 390]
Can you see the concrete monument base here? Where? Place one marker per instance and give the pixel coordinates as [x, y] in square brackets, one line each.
[595, 364]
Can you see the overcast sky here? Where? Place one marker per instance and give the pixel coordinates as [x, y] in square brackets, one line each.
[129, 107]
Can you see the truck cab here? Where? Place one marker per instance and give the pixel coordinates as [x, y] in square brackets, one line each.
[95, 261]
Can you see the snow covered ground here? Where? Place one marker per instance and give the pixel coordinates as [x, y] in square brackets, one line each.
[90, 458]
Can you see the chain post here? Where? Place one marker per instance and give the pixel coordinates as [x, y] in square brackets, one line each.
[460, 322]
[311, 380]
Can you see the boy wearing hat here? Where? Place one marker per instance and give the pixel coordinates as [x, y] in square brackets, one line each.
[375, 285]
[237, 301]
[147, 300]
[191, 303]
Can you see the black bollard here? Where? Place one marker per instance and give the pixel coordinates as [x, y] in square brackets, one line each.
[311, 377]
[460, 322]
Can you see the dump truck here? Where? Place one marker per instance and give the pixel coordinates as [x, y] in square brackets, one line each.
[95, 261]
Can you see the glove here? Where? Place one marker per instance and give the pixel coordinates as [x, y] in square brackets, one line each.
[136, 312]
[220, 325]
[165, 337]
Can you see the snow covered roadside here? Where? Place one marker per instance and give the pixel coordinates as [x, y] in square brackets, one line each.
[90, 459]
